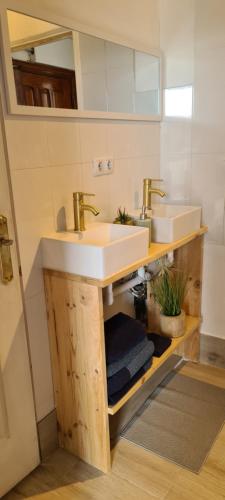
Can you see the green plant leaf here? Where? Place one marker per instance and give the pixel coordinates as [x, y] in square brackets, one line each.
[169, 289]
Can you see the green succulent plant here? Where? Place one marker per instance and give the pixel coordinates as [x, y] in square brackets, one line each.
[122, 216]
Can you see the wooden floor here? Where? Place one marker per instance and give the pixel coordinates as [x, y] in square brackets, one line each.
[136, 474]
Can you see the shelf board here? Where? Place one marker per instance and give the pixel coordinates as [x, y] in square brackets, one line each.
[192, 324]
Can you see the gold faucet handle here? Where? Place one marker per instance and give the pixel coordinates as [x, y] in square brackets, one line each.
[78, 195]
[148, 181]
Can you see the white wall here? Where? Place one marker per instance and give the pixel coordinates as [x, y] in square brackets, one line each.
[51, 158]
[193, 151]
[23, 27]
[59, 53]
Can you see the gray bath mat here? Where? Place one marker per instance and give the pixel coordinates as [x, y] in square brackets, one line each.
[180, 421]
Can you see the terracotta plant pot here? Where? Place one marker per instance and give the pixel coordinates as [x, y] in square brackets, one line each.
[173, 326]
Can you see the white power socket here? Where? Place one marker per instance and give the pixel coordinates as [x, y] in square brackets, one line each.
[102, 166]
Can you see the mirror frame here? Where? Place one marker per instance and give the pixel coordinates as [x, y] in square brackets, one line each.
[18, 109]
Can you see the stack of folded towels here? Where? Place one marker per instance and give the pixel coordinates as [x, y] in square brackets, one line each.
[128, 354]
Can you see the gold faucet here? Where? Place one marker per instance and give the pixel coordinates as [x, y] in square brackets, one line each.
[148, 191]
[79, 208]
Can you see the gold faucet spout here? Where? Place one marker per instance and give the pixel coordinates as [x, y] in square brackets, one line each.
[90, 208]
[157, 191]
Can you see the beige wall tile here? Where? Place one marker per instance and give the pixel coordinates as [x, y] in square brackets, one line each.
[209, 23]
[32, 191]
[65, 181]
[63, 142]
[94, 140]
[133, 139]
[27, 143]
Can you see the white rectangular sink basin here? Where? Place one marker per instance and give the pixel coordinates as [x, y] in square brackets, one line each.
[173, 222]
[101, 250]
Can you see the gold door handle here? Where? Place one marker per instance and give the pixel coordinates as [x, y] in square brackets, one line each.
[5, 253]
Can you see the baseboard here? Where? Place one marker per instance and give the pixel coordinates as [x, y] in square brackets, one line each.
[212, 351]
[47, 434]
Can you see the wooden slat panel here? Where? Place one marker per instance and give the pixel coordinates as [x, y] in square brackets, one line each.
[75, 317]
[189, 259]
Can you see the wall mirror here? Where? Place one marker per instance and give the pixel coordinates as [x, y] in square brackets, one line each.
[58, 71]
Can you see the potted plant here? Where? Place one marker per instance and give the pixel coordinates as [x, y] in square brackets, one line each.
[169, 289]
[123, 217]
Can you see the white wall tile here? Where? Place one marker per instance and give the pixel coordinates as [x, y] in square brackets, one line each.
[133, 139]
[208, 190]
[65, 181]
[28, 143]
[94, 139]
[209, 105]
[209, 23]
[177, 41]
[176, 137]
[63, 142]
[100, 186]
[32, 191]
[213, 297]
[175, 172]
[139, 169]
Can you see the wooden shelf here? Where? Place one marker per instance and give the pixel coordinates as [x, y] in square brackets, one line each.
[192, 323]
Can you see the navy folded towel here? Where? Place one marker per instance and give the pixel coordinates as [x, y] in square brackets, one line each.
[117, 381]
[137, 352]
[113, 398]
[122, 333]
[161, 343]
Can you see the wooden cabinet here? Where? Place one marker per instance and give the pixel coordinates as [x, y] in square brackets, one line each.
[76, 332]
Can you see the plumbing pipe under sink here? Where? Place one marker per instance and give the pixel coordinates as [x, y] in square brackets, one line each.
[110, 292]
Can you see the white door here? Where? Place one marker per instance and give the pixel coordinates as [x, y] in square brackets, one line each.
[18, 436]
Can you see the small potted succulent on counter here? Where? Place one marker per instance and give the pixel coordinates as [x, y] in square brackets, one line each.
[169, 289]
[123, 217]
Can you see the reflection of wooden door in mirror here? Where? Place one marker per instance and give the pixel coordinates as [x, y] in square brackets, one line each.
[44, 85]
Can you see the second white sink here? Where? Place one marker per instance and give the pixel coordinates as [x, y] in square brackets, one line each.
[172, 222]
[101, 250]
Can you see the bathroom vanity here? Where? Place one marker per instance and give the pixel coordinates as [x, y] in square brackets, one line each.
[76, 316]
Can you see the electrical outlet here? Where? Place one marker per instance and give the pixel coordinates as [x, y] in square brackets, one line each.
[102, 166]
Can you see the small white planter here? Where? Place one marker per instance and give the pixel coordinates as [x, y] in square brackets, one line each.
[173, 326]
